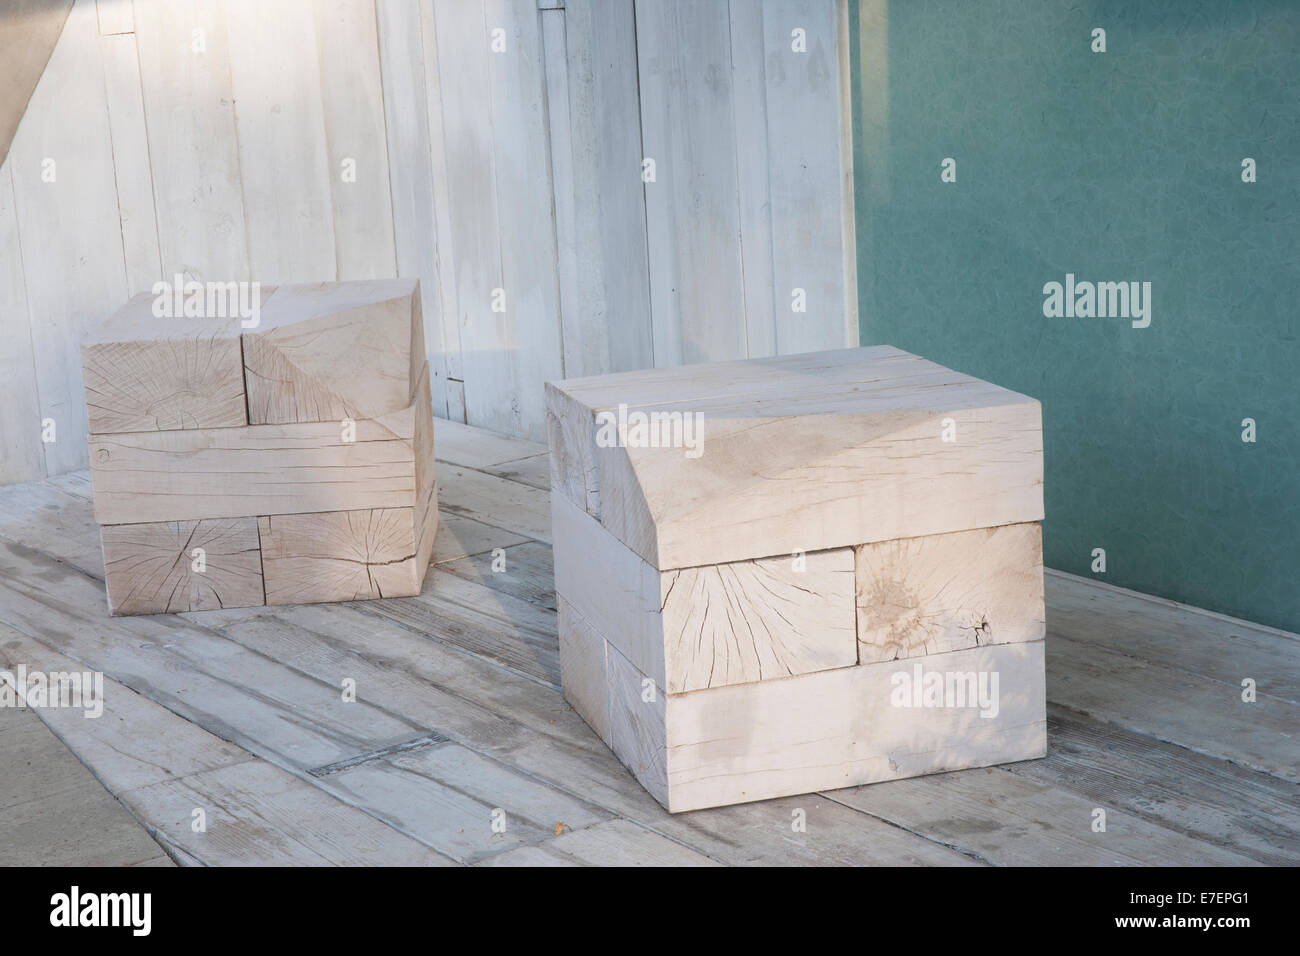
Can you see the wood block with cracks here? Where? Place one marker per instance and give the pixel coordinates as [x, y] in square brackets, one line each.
[148, 373]
[830, 729]
[340, 556]
[805, 452]
[756, 542]
[944, 592]
[573, 404]
[855, 725]
[693, 628]
[152, 568]
[255, 470]
[346, 507]
[757, 620]
[329, 351]
[364, 554]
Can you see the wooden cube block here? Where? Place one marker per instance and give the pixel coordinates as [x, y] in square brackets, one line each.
[254, 470]
[340, 556]
[946, 592]
[334, 350]
[171, 566]
[145, 372]
[752, 558]
[331, 492]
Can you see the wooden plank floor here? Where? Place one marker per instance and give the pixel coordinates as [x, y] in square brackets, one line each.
[459, 749]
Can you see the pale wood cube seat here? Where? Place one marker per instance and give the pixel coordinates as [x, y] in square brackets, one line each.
[295, 455]
[749, 554]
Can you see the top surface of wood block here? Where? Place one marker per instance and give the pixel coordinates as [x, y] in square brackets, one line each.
[279, 306]
[301, 302]
[136, 322]
[333, 350]
[729, 461]
[880, 378]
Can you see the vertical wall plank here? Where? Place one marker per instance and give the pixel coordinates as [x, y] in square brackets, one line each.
[596, 159]
[804, 173]
[131, 159]
[697, 292]
[276, 78]
[444, 247]
[189, 115]
[561, 119]
[656, 60]
[406, 120]
[747, 60]
[69, 229]
[115, 17]
[21, 457]
[525, 214]
[491, 390]
[352, 99]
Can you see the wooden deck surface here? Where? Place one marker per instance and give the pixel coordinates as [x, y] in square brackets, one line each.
[458, 723]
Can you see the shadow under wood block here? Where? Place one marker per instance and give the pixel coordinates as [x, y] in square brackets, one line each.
[289, 462]
[806, 572]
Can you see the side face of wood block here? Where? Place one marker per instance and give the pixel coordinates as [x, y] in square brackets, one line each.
[256, 470]
[825, 730]
[945, 592]
[334, 350]
[859, 478]
[153, 568]
[855, 725]
[571, 436]
[608, 585]
[637, 725]
[878, 443]
[339, 556]
[191, 379]
[426, 482]
[582, 664]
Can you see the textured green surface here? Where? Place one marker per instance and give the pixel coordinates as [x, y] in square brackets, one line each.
[1124, 165]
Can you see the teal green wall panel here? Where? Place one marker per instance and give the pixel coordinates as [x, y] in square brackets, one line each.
[1115, 166]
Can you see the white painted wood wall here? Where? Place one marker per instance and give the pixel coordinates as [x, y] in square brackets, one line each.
[211, 137]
